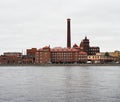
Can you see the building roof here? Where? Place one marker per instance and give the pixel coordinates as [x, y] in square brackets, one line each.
[63, 50]
[75, 45]
[46, 47]
[12, 52]
[94, 47]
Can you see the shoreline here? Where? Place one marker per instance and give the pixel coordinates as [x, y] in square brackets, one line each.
[109, 64]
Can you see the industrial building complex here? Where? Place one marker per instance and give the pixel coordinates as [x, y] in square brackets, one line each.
[82, 53]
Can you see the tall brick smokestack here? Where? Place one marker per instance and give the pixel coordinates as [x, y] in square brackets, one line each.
[68, 34]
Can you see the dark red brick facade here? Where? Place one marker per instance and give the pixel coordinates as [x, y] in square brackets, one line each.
[60, 55]
[43, 55]
[84, 46]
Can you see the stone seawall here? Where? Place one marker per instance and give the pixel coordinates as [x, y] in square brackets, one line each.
[59, 64]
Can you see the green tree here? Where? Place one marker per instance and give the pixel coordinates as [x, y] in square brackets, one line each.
[106, 54]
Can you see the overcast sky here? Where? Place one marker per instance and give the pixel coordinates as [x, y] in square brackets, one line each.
[37, 23]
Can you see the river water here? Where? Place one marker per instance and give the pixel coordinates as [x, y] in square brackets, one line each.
[60, 84]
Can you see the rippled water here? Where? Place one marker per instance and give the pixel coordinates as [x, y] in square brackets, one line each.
[60, 84]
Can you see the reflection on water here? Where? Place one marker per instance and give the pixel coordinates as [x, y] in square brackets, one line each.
[60, 84]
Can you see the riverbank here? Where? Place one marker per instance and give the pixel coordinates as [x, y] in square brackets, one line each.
[109, 64]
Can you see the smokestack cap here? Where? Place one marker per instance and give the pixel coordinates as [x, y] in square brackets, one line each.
[68, 19]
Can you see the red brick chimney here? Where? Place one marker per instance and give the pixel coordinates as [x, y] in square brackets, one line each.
[68, 34]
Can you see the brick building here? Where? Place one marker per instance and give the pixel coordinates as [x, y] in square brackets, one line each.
[75, 54]
[30, 55]
[60, 55]
[17, 54]
[27, 60]
[82, 57]
[63, 55]
[11, 58]
[31, 52]
[85, 46]
[43, 55]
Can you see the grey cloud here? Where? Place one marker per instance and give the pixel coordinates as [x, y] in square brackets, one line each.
[35, 23]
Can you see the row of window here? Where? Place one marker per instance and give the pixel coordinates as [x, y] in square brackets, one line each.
[61, 53]
[93, 56]
[93, 49]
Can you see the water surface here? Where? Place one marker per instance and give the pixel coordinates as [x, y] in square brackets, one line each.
[60, 84]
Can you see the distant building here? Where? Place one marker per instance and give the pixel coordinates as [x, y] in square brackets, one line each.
[94, 58]
[31, 54]
[100, 58]
[115, 54]
[64, 55]
[11, 58]
[3, 59]
[82, 57]
[43, 55]
[84, 46]
[104, 59]
[17, 54]
[60, 55]
[75, 54]
[27, 60]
